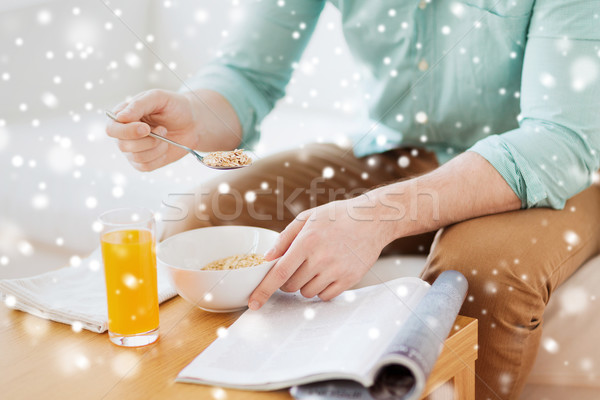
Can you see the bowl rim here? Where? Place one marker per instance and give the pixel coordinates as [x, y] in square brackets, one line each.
[220, 227]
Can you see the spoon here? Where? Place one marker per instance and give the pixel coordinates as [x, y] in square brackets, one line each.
[193, 152]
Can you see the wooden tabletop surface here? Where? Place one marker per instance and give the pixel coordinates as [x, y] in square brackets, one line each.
[40, 359]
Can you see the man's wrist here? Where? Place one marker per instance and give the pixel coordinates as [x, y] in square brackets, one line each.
[405, 209]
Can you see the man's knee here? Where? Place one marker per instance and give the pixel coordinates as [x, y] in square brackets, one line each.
[499, 285]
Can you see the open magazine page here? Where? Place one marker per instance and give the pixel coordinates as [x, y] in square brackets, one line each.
[292, 339]
[405, 365]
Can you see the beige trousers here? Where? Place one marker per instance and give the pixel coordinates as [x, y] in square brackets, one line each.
[513, 261]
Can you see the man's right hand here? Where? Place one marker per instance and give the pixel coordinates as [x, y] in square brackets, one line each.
[202, 120]
[166, 114]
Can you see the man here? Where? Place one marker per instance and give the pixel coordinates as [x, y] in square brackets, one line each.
[487, 131]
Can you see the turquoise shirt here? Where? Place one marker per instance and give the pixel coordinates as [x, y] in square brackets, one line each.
[517, 81]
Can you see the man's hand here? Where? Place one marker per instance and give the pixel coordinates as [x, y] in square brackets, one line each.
[324, 251]
[201, 120]
[328, 249]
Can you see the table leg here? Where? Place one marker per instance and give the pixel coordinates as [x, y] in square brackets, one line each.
[464, 383]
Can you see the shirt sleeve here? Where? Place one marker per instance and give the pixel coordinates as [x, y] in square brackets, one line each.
[255, 62]
[555, 152]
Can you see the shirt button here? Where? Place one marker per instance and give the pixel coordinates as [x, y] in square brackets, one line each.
[423, 65]
[422, 4]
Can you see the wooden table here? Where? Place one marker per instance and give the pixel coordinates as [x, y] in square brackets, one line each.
[40, 359]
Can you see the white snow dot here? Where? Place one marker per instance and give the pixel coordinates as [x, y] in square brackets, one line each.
[296, 35]
[392, 12]
[381, 28]
[133, 60]
[381, 140]
[373, 333]
[89, 85]
[399, 117]
[108, 26]
[76, 10]
[59, 241]
[75, 261]
[476, 60]
[49, 100]
[25, 248]
[130, 281]
[513, 54]
[457, 9]
[584, 71]
[574, 300]
[150, 38]
[222, 332]
[39, 201]
[10, 301]
[586, 364]
[23, 107]
[387, 60]
[19, 41]
[79, 160]
[571, 238]
[328, 172]
[117, 192]
[223, 188]
[446, 30]
[91, 202]
[403, 161]
[309, 313]
[402, 291]
[218, 393]
[5, 76]
[349, 296]
[421, 117]
[250, 196]
[201, 16]
[17, 161]
[4, 260]
[423, 138]
[76, 326]
[57, 80]
[208, 297]
[94, 265]
[550, 345]
[394, 73]
[364, 176]
[547, 80]
[97, 226]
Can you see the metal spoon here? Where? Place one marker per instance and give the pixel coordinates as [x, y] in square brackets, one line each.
[193, 152]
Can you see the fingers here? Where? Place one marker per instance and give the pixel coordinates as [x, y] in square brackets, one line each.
[333, 290]
[145, 104]
[130, 131]
[299, 278]
[316, 285]
[287, 236]
[137, 145]
[277, 276]
[147, 156]
[151, 165]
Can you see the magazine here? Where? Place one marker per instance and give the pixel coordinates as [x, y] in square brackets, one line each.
[377, 342]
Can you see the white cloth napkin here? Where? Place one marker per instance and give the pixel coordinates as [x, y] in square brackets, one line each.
[71, 295]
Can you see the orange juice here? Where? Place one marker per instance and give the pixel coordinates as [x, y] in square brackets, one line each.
[130, 270]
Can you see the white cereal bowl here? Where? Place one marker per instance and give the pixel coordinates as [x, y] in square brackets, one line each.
[184, 254]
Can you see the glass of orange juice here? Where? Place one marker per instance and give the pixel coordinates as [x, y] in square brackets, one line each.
[128, 252]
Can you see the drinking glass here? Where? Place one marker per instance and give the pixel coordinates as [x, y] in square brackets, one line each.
[129, 255]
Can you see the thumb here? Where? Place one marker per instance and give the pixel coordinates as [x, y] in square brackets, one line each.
[286, 237]
[146, 103]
